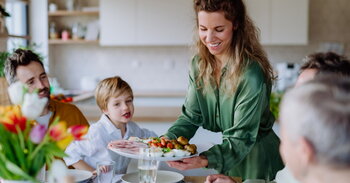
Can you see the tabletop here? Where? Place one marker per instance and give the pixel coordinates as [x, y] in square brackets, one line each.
[187, 179]
[201, 179]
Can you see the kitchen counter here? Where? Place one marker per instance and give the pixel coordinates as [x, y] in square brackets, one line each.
[149, 107]
[142, 113]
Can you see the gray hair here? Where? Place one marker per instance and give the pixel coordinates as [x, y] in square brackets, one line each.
[319, 111]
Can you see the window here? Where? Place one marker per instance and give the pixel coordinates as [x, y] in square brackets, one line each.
[17, 24]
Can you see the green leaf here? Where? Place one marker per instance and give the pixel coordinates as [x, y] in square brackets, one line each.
[19, 153]
[18, 171]
[4, 173]
[37, 163]
[165, 150]
[3, 57]
[275, 100]
[5, 142]
[54, 150]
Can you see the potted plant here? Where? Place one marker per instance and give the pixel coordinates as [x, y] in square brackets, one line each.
[26, 146]
[4, 98]
[275, 100]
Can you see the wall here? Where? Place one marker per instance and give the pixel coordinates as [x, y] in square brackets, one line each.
[328, 22]
[145, 68]
[150, 68]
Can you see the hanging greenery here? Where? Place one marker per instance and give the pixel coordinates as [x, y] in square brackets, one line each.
[3, 12]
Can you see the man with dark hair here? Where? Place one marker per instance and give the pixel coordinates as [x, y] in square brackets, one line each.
[323, 63]
[25, 66]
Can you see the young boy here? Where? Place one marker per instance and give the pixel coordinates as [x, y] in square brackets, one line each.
[115, 99]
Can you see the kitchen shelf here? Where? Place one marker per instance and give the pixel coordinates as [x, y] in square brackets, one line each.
[142, 114]
[160, 94]
[59, 41]
[73, 13]
[17, 36]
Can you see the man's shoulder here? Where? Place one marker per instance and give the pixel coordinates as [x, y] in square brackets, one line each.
[68, 112]
[57, 105]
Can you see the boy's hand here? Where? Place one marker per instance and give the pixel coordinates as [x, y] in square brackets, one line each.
[94, 173]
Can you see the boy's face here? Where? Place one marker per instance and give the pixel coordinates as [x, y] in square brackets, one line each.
[120, 109]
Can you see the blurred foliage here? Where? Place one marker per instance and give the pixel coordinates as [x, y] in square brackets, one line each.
[3, 57]
[275, 101]
[3, 12]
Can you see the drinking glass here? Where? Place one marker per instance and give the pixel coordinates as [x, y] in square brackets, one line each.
[147, 166]
[105, 171]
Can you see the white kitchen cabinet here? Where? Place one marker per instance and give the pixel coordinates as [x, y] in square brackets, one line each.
[146, 22]
[281, 22]
[118, 22]
[257, 10]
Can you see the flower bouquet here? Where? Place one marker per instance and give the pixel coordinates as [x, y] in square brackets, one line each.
[26, 146]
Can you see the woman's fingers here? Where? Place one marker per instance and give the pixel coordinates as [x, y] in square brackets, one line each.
[189, 163]
[219, 178]
[178, 165]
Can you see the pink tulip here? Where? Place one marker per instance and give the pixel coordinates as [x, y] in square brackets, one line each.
[37, 134]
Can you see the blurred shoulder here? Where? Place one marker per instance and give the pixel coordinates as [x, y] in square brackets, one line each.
[60, 106]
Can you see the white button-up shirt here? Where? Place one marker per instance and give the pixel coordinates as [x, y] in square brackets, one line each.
[94, 148]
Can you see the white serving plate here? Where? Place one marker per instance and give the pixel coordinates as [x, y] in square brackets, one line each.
[162, 177]
[136, 156]
[78, 175]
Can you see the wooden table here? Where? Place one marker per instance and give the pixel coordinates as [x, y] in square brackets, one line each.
[201, 179]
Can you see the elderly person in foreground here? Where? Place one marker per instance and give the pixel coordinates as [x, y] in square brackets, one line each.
[315, 126]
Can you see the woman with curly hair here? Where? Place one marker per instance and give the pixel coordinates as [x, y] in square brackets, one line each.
[229, 89]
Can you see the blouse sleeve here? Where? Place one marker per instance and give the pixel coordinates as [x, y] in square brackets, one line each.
[190, 119]
[251, 101]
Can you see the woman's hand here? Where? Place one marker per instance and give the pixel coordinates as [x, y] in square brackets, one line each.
[189, 163]
[219, 178]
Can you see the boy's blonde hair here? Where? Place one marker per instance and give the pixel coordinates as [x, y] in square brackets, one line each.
[111, 87]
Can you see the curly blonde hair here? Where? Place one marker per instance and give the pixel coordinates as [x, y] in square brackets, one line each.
[245, 46]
